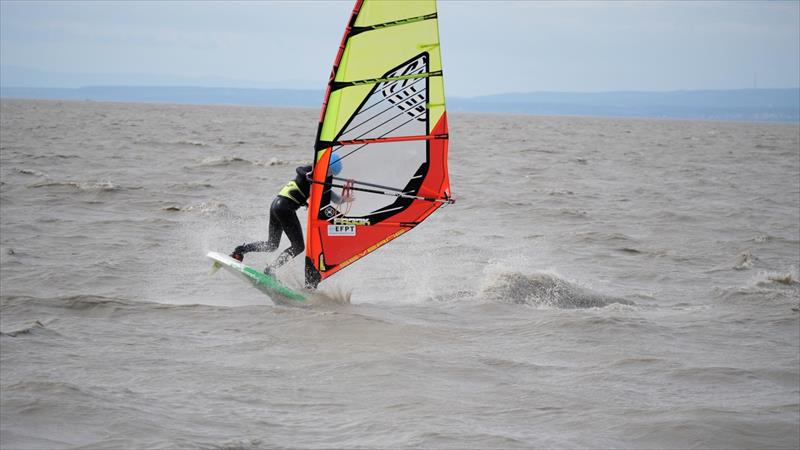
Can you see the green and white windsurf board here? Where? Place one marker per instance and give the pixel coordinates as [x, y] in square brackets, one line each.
[269, 285]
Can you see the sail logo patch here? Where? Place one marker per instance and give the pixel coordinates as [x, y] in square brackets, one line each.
[351, 221]
[341, 230]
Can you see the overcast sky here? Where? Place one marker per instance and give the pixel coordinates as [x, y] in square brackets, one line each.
[487, 47]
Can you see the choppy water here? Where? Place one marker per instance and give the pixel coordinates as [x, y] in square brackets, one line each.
[599, 283]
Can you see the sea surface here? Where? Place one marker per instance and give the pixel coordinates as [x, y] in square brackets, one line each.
[599, 283]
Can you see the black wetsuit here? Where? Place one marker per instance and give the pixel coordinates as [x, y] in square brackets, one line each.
[283, 219]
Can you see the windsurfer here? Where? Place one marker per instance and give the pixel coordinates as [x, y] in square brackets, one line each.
[283, 219]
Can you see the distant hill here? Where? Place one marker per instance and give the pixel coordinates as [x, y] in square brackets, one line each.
[173, 94]
[744, 104]
[780, 105]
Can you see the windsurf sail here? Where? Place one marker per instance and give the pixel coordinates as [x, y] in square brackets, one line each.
[384, 117]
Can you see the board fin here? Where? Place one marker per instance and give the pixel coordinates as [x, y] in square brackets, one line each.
[215, 267]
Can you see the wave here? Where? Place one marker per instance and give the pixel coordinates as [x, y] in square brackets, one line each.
[30, 329]
[222, 161]
[191, 143]
[768, 288]
[574, 213]
[602, 237]
[25, 305]
[541, 289]
[190, 186]
[272, 162]
[50, 157]
[620, 243]
[560, 192]
[41, 388]
[282, 162]
[745, 261]
[34, 173]
[217, 161]
[205, 208]
[714, 374]
[761, 238]
[83, 304]
[254, 444]
[85, 186]
[784, 278]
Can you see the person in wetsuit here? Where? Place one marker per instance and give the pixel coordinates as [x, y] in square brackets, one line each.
[283, 218]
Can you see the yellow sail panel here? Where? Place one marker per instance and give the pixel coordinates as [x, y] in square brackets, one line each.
[370, 55]
[385, 34]
[387, 11]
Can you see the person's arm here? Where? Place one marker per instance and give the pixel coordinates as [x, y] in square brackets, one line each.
[306, 172]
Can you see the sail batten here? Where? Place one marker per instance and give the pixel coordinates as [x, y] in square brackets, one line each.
[356, 30]
[384, 117]
[390, 139]
[343, 84]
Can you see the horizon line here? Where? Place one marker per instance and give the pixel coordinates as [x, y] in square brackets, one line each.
[241, 88]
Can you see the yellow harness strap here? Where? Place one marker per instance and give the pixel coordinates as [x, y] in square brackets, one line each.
[293, 192]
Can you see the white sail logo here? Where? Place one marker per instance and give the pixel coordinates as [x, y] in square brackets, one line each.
[341, 230]
[408, 94]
